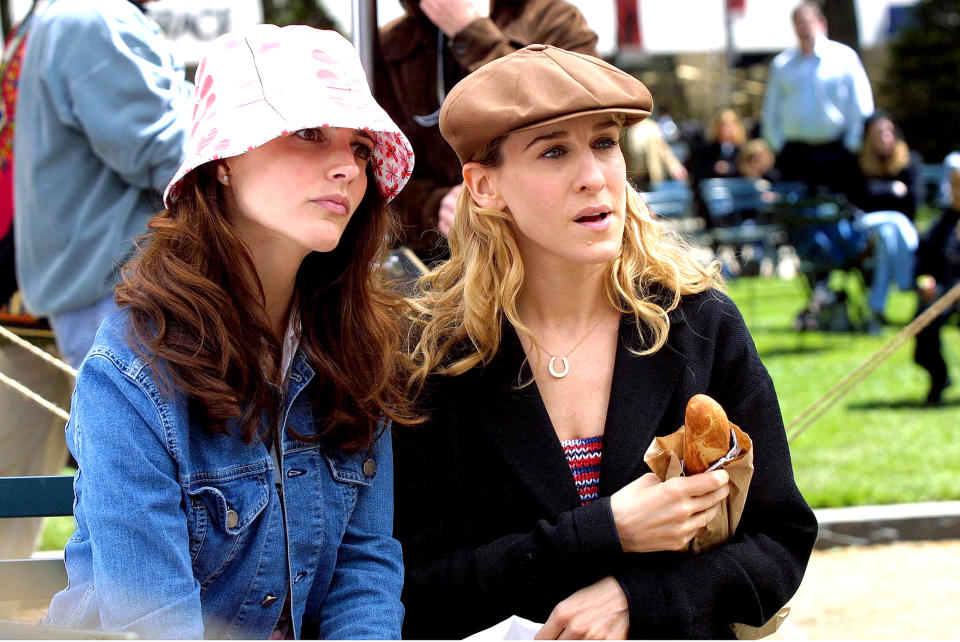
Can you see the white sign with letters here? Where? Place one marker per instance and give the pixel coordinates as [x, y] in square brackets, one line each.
[191, 24]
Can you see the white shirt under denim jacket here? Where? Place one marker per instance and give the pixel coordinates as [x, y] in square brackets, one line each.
[181, 533]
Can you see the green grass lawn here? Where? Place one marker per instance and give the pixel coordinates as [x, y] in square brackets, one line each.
[877, 445]
[56, 532]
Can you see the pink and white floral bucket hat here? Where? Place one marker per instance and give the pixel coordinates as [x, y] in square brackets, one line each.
[266, 81]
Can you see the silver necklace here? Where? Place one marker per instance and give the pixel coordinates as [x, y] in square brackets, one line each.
[560, 374]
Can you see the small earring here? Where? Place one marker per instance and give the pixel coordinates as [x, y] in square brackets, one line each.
[225, 179]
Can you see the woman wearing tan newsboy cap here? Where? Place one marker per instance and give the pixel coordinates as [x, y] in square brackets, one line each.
[567, 330]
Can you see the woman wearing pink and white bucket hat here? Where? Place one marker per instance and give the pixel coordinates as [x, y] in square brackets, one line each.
[229, 422]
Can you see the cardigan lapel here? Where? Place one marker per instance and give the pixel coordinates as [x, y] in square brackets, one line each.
[640, 393]
[519, 425]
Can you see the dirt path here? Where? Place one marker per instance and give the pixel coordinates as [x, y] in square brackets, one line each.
[907, 591]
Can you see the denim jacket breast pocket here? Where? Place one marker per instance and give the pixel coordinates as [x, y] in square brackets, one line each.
[223, 513]
[352, 472]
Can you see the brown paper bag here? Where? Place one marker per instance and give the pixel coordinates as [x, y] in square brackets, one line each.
[665, 458]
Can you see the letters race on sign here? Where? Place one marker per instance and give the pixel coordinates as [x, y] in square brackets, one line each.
[191, 24]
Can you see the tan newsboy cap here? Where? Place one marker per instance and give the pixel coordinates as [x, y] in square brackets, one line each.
[535, 86]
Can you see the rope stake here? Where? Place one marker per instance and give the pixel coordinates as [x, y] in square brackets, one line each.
[824, 403]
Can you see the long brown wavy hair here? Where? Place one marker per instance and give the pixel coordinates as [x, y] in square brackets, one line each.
[197, 316]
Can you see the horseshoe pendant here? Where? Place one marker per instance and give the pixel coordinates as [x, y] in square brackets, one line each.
[562, 373]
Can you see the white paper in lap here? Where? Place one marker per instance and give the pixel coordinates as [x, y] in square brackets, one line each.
[513, 628]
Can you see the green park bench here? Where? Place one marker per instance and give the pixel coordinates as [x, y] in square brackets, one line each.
[33, 580]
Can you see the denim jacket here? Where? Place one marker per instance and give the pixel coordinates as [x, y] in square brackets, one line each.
[182, 534]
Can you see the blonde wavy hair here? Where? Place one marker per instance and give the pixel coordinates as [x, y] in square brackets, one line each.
[459, 307]
[722, 117]
[874, 165]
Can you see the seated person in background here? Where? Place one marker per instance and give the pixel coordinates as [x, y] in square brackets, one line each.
[938, 267]
[882, 176]
[886, 176]
[756, 160]
[885, 185]
[718, 156]
[650, 161]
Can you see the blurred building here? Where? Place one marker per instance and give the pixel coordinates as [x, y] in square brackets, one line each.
[697, 56]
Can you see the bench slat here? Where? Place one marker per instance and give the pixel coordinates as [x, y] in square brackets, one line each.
[36, 496]
[10, 630]
[33, 579]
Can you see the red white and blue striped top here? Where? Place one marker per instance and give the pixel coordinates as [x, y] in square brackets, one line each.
[583, 456]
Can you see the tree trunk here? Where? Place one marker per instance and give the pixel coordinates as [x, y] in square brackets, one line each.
[842, 22]
[5, 16]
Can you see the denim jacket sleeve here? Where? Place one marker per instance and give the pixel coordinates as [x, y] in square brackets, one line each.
[364, 597]
[129, 503]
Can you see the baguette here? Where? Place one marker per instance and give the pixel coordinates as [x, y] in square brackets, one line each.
[706, 435]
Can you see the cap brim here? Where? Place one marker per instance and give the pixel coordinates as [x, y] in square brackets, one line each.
[631, 116]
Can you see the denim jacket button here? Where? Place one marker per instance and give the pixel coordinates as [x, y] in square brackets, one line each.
[268, 600]
[370, 468]
[232, 518]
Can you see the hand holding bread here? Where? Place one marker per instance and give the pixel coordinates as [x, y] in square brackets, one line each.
[708, 439]
[653, 515]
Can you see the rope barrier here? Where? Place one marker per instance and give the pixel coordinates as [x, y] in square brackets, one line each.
[32, 396]
[49, 358]
[806, 419]
[29, 347]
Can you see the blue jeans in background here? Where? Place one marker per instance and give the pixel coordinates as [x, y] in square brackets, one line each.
[895, 244]
[75, 330]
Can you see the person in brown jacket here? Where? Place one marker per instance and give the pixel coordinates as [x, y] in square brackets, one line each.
[423, 54]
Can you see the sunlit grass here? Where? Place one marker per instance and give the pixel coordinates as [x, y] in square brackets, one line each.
[879, 444]
[56, 530]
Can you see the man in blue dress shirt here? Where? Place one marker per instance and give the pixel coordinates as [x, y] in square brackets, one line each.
[817, 97]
